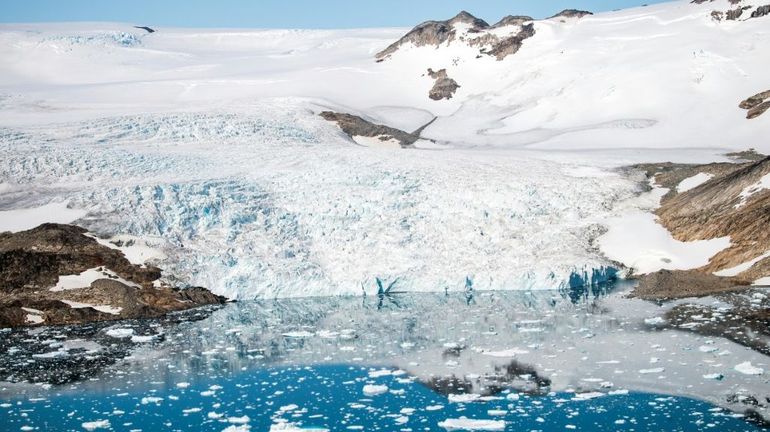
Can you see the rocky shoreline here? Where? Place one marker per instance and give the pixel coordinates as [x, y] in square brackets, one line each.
[59, 275]
[723, 298]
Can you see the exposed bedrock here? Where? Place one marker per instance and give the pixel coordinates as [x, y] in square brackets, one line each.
[32, 263]
[444, 87]
[467, 29]
[354, 126]
[734, 201]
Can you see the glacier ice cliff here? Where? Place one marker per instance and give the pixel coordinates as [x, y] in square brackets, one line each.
[268, 200]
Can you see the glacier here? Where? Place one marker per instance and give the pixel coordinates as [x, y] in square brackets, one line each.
[271, 201]
[209, 140]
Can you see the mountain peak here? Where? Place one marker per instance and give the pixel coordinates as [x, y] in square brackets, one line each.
[572, 13]
[468, 18]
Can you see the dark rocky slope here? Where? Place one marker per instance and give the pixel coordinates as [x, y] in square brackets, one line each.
[32, 261]
[436, 33]
[354, 126]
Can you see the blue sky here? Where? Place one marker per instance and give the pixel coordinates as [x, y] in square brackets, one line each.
[287, 13]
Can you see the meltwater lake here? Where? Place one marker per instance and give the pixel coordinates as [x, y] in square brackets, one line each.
[513, 361]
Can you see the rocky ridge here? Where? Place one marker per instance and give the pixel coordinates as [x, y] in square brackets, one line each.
[734, 201]
[757, 104]
[466, 28]
[354, 127]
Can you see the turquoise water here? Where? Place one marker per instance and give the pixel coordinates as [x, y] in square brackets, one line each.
[332, 397]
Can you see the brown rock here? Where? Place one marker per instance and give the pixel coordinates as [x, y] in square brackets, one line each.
[444, 88]
[354, 125]
[436, 33]
[32, 261]
[758, 110]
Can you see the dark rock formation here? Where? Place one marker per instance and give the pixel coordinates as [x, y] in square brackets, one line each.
[755, 100]
[734, 14]
[513, 20]
[32, 261]
[758, 110]
[436, 33]
[354, 126]
[756, 105]
[444, 88]
[572, 13]
[145, 28]
[761, 11]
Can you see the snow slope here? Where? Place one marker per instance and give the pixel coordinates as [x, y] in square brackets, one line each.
[209, 140]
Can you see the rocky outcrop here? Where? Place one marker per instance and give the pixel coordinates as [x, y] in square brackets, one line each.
[734, 202]
[444, 88]
[761, 11]
[145, 28]
[32, 262]
[355, 126]
[572, 13]
[513, 20]
[734, 14]
[466, 28]
[756, 105]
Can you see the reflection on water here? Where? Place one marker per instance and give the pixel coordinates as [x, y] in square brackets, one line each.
[340, 398]
[390, 361]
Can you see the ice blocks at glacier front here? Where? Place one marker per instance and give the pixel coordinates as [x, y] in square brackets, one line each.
[267, 199]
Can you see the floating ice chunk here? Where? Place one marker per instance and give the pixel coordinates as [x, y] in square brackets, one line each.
[142, 339]
[464, 398]
[52, 354]
[513, 352]
[380, 373]
[298, 334]
[472, 424]
[120, 333]
[747, 368]
[182, 385]
[326, 334]
[213, 415]
[98, 424]
[373, 390]
[513, 396]
[191, 410]
[651, 371]
[587, 396]
[497, 413]
[290, 427]
[237, 428]
[434, 407]
[707, 348]
[287, 408]
[239, 420]
[151, 399]
[654, 321]
[714, 376]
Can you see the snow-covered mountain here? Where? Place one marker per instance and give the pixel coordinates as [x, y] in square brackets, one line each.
[209, 141]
